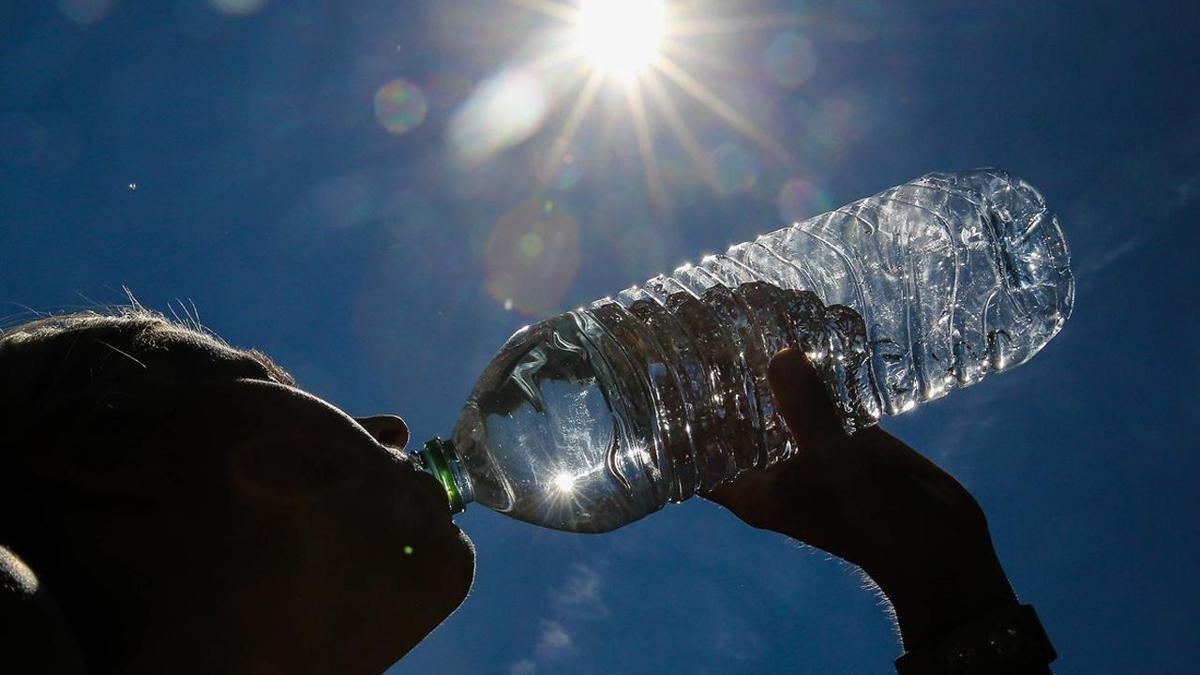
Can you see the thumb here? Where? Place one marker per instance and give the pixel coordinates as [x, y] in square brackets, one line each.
[802, 399]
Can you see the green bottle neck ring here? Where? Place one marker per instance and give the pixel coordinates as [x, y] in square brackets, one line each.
[439, 459]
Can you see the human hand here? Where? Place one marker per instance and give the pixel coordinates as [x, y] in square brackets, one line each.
[875, 502]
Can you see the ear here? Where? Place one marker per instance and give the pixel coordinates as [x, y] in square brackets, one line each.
[34, 634]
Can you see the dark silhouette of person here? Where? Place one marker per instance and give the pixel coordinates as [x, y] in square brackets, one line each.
[171, 504]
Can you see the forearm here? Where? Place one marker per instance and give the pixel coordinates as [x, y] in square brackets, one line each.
[933, 607]
[948, 592]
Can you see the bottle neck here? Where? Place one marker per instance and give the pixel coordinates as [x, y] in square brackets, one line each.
[439, 459]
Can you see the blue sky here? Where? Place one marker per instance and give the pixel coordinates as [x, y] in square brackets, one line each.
[333, 183]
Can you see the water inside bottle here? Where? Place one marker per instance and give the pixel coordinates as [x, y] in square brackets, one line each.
[543, 438]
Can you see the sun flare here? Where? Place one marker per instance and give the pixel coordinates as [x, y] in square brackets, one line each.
[564, 482]
[657, 57]
[620, 37]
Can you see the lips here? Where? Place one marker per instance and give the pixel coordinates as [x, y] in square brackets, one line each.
[423, 506]
[435, 493]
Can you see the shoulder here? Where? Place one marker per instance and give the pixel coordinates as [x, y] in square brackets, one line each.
[34, 636]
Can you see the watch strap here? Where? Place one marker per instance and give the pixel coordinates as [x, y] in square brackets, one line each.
[1010, 641]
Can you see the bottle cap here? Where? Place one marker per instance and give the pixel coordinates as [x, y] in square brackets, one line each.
[438, 458]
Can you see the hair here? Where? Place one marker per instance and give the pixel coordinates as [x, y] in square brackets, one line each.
[79, 395]
[62, 371]
[97, 357]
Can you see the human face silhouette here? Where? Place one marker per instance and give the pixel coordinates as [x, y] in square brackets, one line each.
[285, 536]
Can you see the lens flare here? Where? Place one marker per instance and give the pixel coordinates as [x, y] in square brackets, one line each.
[503, 111]
[621, 37]
[400, 106]
[734, 170]
[791, 60]
[799, 199]
[532, 257]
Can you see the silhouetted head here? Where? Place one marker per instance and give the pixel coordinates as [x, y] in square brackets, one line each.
[190, 509]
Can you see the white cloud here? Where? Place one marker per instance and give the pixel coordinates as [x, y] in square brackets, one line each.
[523, 667]
[579, 595]
[1109, 256]
[1186, 192]
[573, 603]
[732, 636]
[554, 641]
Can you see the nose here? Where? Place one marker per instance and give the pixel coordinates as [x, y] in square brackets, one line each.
[389, 430]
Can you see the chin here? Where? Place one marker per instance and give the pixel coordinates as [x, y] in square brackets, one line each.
[465, 563]
[450, 580]
[451, 568]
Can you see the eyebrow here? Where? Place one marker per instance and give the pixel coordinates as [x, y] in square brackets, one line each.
[255, 365]
[280, 375]
[273, 371]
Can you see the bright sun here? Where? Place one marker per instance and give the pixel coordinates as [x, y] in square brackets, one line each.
[645, 48]
[621, 37]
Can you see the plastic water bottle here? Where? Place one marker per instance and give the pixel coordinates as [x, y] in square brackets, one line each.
[597, 417]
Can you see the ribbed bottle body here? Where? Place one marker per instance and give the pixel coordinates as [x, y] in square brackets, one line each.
[910, 293]
[955, 275]
[691, 370]
[599, 416]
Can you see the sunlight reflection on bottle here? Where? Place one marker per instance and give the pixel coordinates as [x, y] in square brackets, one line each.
[564, 482]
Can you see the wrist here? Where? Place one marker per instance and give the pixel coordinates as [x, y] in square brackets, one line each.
[1006, 641]
[943, 595]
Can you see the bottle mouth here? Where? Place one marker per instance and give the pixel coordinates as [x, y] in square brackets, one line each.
[439, 459]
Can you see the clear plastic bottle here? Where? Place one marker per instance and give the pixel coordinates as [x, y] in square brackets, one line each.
[599, 416]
